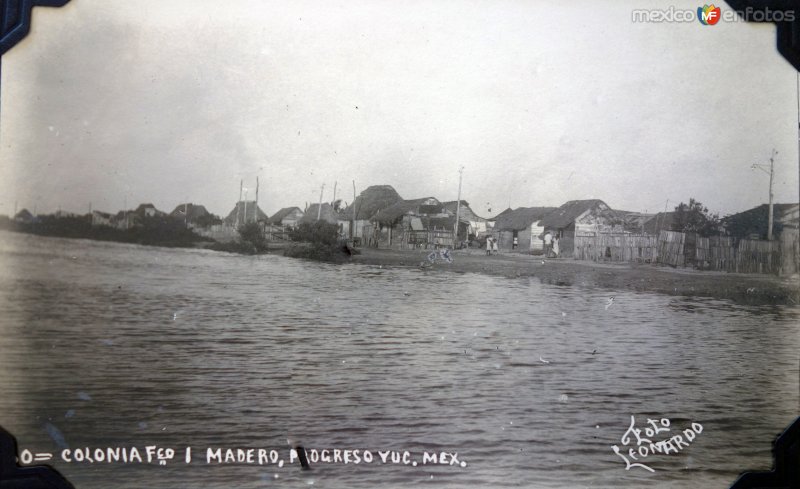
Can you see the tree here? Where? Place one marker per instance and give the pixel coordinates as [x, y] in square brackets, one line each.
[694, 217]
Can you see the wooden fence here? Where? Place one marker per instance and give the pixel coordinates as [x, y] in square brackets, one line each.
[616, 247]
[780, 256]
[434, 238]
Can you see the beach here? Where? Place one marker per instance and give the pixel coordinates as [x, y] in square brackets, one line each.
[741, 288]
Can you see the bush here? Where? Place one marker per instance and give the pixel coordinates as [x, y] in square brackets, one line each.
[251, 235]
[317, 233]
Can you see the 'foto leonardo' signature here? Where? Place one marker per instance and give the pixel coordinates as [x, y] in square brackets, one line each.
[645, 446]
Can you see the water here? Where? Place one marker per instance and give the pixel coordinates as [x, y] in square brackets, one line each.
[114, 345]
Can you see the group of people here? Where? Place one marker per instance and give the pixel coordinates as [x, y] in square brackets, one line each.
[550, 245]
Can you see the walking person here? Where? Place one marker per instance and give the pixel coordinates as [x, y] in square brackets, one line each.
[555, 247]
[494, 246]
[488, 245]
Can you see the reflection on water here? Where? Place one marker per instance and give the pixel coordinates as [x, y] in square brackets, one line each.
[108, 344]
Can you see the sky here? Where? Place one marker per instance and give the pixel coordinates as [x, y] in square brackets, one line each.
[110, 103]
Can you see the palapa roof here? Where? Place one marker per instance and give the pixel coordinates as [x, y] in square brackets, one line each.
[568, 212]
[326, 214]
[194, 211]
[254, 213]
[502, 214]
[659, 222]
[391, 214]
[756, 220]
[372, 200]
[452, 206]
[23, 215]
[278, 216]
[520, 218]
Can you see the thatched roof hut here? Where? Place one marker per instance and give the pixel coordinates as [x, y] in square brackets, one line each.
[659, 222]
[190, 212]
[565, 215]
[23, 216]
[326, 214]
[372, 200]
[520, 218]
[250, 208]
[391, 215]
[278, 217]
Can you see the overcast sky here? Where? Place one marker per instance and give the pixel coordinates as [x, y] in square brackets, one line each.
[110, 101]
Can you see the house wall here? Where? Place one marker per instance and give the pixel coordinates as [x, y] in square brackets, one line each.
[536, 243]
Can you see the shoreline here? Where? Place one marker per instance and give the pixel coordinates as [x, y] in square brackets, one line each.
[750, 289]
[740, 288]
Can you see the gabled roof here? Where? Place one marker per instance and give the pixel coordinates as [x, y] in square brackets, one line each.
[194, 211]
[756, 220]
[568, 212]
[659, 222]
[278, 216]
[23, 215]
[520, 218]
[372, 200]
[391, 214]
[254, 213]
[502, 214]
[326, 214]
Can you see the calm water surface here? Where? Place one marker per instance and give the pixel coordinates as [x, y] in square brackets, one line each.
[105, 344]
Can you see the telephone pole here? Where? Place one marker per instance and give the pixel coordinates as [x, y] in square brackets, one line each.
[771, 173]
[319, 207]
[458, 205]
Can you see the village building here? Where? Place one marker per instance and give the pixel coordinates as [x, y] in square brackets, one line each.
[754, 223]
[523, 224]
[477, 224]
[245, 211]
[102, 219]
[324, 212]
[420, 222]
[288, 216]
[24, 216]
[662, 221]
[194, 215]
[580, 218]
[372, 200]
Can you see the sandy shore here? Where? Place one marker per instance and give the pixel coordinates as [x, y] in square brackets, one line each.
[740, 288]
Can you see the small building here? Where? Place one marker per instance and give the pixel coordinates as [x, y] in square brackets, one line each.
[245, 211]
[372, 200]
[477, 224]
[192, 214]
[580, 218]
[288, 216]
[754, 223]
[662, 221]
[521, 223]
[315, 212]
[24, 216]
[102, 219]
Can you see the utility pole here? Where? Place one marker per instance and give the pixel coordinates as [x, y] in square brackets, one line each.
[771, 173]
[334, 191]
[355, 212]
[319, 208]
[239, 202]
[458, 205]
[245, 205]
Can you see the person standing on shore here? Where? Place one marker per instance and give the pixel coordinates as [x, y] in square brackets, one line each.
[555, 247]
[494, 246]
[548, 243]
[488, 245]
